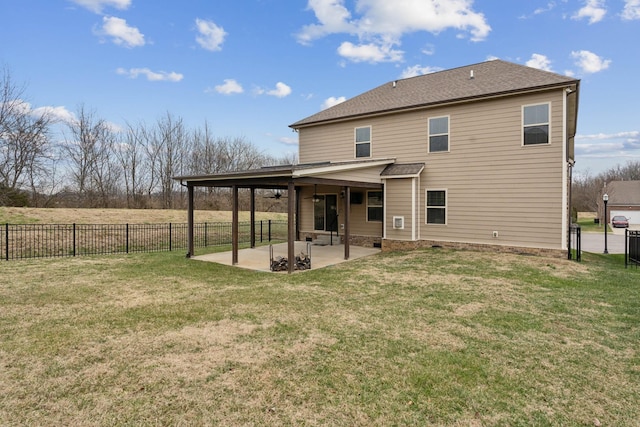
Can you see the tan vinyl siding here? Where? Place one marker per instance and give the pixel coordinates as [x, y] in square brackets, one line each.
[399, 203]
[359, 224]
[493, 182]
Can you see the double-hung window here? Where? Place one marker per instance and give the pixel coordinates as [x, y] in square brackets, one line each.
[375, 207]
[438, 134]
[363, 141]
[535, 124]
[436, 207]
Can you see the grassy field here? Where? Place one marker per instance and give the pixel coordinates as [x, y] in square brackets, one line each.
[431, 337]
[588, 225]
[119, 216]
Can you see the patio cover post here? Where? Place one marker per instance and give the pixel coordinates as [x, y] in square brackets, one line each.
[291, 226]
[190, 244]
[234, 227]
[298, 191]
[347, 220]
[252, 227]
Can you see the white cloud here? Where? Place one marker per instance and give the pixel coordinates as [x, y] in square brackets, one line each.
[281, 90]
[288, 141]
[121, 33]
[634, 134]
[59, 113]
[370, 52]
[211, 36]
[55, 113]
[418, 70]
[333, 18]
[18, 105]
[593, 10]
[97, 6]
[331, 101]
[152, 76]
[589, 62]
[429, 49]
[229, 87]
[631, 10]
[540, 62]
[550, 6]
[381, 24]
[613, 145]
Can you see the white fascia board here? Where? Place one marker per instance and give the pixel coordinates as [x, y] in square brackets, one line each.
[340, 168]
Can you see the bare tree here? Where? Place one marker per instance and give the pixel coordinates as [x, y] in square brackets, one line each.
[24, 138]
[168, 149]
[131, 154]
[205, 159]
[239, 154]
[287, 159]
[88, 149]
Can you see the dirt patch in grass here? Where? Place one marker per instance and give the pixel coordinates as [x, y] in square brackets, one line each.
[432, 337]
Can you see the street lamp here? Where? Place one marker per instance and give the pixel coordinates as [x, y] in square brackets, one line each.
[605, 199]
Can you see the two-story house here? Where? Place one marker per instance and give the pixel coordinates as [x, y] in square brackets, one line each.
[476, 156]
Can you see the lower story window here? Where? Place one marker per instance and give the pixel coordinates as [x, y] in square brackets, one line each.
[436, 207]
[374, 206]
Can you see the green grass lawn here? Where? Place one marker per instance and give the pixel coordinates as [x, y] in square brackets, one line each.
[588, 225]
[431, 337]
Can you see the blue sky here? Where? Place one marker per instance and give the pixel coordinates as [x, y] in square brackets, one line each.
[252, 67]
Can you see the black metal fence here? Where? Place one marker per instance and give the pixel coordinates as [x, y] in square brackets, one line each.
[575, 243]
[631, 247]
[21, 241]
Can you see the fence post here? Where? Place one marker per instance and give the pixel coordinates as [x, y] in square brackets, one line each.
[269, 230]
[127, 234]
[260, 231]
[6, 242]
[205, 234]
[170, 247]
[74, 239]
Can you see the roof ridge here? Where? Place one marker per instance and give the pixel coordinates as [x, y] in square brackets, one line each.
[494, 77]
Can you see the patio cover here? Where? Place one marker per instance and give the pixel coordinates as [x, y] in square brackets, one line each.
[289, 177]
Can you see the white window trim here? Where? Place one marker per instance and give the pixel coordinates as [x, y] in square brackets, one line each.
[374, 206]
[445, 207]
[522, 125]
[448, 133]
[355, 143]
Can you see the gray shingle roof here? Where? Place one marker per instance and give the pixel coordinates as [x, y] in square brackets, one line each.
[489, 78]
[624, 193]
[402, 169]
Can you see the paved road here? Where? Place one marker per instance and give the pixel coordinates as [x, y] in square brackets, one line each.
[594, 242]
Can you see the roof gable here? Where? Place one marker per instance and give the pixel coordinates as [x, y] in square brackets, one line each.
[480, 80]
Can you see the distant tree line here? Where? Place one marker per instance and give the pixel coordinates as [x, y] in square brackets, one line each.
[90, 163]
[588, 189]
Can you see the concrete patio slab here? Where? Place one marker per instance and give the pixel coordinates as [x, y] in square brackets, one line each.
[258, 258]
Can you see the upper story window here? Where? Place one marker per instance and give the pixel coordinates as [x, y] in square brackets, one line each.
[535, 124]
[436, 207]
[375, 207]
[438, 134]
[363, 141]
